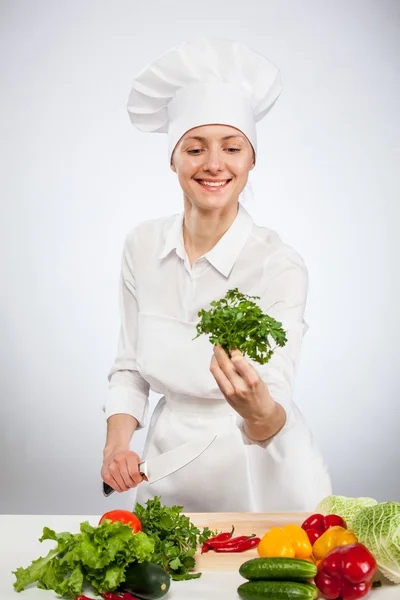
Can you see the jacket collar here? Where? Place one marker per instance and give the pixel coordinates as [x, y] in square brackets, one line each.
[224, 254]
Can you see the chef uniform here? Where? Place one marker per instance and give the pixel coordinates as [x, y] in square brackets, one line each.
[197, 83]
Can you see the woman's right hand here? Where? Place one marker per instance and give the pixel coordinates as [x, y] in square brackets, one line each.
[120, 468]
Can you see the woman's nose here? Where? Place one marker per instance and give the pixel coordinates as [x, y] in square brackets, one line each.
[213, 162]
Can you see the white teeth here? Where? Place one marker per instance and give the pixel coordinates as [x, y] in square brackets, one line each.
[212, 183]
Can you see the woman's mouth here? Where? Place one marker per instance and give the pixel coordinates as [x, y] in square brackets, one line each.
[213, 185]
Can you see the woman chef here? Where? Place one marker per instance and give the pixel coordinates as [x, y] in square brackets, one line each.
[207, 96]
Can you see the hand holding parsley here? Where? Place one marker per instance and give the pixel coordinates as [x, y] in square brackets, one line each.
[237, 326]
[242, 386]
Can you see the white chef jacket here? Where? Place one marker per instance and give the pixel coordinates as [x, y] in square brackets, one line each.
[161, 295]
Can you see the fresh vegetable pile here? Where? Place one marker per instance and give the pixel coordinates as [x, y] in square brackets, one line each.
[126, 553]
[134, 556]
[98, 555]
[376, 526]
[236, 321]
[321, 549]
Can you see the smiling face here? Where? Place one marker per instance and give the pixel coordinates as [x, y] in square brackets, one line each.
[213, 163]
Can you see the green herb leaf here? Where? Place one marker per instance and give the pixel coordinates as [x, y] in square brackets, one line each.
[97, 555]
[236, 321]
[175, 537]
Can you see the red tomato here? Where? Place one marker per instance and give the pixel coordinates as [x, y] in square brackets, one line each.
[313, 535]
[123, 516]
[333, 521]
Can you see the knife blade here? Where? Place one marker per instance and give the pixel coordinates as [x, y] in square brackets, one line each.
[169, 462]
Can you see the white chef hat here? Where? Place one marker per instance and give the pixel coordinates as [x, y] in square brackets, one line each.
[203, 82]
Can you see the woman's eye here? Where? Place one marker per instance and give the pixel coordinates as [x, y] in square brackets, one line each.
[197, 151]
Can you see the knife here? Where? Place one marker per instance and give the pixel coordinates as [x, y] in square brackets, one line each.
[169, 462]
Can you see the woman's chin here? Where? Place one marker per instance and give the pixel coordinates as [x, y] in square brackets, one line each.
[210, 201]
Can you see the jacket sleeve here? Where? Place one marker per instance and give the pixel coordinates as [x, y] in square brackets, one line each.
[284, 299]
[128, 391]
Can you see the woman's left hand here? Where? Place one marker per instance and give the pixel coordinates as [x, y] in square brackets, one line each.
[241, 385]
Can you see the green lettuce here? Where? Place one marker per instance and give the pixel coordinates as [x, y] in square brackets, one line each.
[97, 555]
[343, 506]
[378, 528]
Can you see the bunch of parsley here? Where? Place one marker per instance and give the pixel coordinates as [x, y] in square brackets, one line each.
[236, 321]
[175, 537]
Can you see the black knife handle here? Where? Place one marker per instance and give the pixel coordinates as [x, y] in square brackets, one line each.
[107, 489]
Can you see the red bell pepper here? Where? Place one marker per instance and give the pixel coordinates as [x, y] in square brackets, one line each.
[321, 523]
[334, 521]
[314, 522]
[313, 535]
[346, 572]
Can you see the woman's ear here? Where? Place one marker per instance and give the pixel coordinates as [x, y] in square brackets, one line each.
[172, 163]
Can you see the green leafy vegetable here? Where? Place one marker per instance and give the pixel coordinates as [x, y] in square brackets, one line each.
[378, 528]
[175, 537]
[236, 321]
[97, 555]
[344, 506]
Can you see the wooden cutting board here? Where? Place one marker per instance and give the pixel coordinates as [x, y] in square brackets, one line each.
[245, 524]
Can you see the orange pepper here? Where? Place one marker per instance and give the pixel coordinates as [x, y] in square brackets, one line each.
[275, 543]
[289, 541]
[331, 538]
[301, 543]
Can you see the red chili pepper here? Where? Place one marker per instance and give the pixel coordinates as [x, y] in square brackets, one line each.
[112, 596]
[231, 541]
[221, 537]
[241, 546]
[346, 572]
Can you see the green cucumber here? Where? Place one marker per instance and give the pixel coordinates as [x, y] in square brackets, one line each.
[277, 590]
[146, 581]
[278, 569]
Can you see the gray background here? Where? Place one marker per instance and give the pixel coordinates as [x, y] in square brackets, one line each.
[75, 177]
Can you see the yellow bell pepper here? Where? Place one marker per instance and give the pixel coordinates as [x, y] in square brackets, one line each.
[291, 541]
[332, 537]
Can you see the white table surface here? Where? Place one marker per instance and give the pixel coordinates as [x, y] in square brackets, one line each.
[19, 545]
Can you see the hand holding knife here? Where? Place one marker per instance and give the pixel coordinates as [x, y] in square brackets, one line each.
[161, 466]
